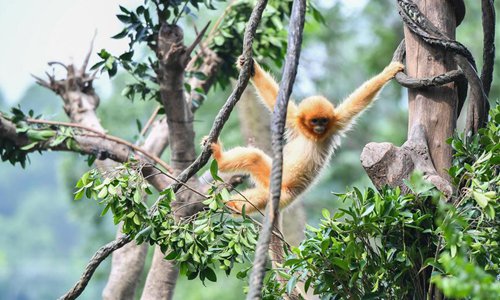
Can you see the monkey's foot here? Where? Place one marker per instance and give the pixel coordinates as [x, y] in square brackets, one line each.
[237, 205]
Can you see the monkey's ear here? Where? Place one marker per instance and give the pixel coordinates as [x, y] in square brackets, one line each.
[239, 64]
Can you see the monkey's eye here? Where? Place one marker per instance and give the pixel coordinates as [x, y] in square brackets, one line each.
[319, 121]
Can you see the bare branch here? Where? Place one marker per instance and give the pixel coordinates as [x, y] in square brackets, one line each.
[58, 63]
[197, 40]
[150, 121]
[95, 261]
[107, 137]
[87, 57]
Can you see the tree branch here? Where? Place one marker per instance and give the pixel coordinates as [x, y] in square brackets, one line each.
[226, 110]
[95, 261]
[296, 28]
[488, 20]
[107, 137]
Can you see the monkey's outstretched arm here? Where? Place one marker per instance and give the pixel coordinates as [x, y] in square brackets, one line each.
[363, 96]
[267, 89]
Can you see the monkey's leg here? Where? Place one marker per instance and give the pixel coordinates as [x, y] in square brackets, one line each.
[256, 199]
[251, 161]
[364, 95]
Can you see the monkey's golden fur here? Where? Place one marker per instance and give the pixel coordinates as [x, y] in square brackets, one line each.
[313, 127]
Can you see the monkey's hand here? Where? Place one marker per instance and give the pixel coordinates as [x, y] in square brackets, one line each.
[393, 68]
[241, 61]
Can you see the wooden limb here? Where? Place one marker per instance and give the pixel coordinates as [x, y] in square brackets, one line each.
[85, 64]
[389, 165]
[488, 20]
[278, 127]
[95, 261]
[118, 140]
[101, 147]
[197, 40]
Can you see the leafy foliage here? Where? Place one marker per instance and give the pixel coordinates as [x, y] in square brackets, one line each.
[38, 134]
[210, 239]
[372, 249]
[142, 25]
[122, 191]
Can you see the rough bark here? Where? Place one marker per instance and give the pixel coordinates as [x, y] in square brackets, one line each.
[435, 107]
[173, 57]
[432, 111]
[128, 262]
[277, 128]
[387, 164]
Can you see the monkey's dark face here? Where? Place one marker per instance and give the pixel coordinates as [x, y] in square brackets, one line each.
[316, 117]
[319, 125]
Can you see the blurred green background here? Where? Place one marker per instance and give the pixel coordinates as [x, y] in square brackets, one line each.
[47, 238]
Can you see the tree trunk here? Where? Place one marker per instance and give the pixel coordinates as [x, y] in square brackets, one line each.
[432, 112]
[432, 117]
[433, 108]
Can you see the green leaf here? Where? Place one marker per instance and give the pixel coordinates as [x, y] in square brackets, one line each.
[480, 198]
[340, 263]
[172, 255]
[214, 168]
[137, 196]
[291, 285]
[210, 274]
[124, 18]
[120, 35]
[368, 210]
[127, 56]
[137, 221]
[29, 146]
[79, 194]
[102, 193]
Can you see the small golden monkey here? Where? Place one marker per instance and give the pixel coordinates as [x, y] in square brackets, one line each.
[313, 131]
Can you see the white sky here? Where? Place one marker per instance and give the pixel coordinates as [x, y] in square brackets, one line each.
[34, 32]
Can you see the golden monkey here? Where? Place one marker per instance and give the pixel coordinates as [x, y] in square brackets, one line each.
[313, 131]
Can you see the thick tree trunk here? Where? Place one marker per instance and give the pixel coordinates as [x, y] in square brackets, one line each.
[173, 57]
[432, 112]
[433, 108]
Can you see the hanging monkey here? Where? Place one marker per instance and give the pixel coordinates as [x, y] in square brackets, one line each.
[313, 131]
